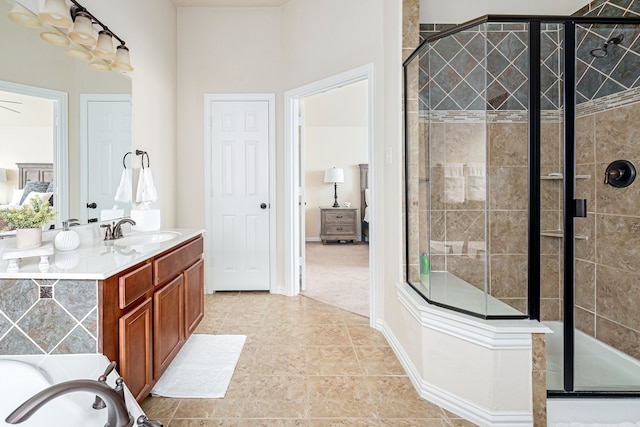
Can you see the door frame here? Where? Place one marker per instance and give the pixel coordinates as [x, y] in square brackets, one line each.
[60, 140]
[85, 99]
[292, 187]
[209, 99]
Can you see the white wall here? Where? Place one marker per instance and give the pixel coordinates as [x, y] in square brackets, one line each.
[150, 31]
[456, 12]
[263, 50]
[336, 134]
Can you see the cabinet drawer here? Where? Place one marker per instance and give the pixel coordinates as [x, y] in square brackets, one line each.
[132, 286]
[166, 267]
[339, 229]
[340, 216]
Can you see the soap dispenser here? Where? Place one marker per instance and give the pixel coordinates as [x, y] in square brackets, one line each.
[67, 240]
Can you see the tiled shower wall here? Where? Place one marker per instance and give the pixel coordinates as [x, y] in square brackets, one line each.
[48, 316]
[608, 263]
[608, 96]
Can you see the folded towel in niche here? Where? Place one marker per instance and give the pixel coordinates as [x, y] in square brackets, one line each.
[476, 181]
[453, 183]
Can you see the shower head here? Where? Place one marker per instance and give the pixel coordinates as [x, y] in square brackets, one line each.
[601, 52]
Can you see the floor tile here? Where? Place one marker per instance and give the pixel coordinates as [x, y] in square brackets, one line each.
[304, 364]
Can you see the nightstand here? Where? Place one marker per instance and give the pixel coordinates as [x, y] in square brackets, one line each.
[338, 224]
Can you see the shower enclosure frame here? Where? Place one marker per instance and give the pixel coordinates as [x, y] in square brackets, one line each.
[568, 32]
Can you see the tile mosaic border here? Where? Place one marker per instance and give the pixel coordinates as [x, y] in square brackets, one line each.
[48, 316]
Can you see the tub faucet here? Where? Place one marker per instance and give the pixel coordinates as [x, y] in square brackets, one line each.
[116, 231]
[117, 415]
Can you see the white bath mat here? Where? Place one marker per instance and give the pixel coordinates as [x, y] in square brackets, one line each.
[203, 368]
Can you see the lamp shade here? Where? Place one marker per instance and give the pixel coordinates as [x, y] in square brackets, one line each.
[24, 17]
[334, 175]
[99, 65]
[55, 13]
[79, 52]
[123, 61]
[55, 38]
[82, 32]
[104, 49]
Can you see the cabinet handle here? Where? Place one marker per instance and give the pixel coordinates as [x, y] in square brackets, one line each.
[338, 216]
[339, 229]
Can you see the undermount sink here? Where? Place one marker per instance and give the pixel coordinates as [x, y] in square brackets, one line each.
[147, 238]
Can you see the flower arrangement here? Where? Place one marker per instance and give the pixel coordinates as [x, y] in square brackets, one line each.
[34, 214]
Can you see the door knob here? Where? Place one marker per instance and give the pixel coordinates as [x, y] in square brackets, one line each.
[263, 206]
[92, 205]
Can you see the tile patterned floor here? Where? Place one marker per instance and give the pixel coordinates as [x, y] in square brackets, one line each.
[304, 363]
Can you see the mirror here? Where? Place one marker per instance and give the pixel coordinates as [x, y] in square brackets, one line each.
[80, 138]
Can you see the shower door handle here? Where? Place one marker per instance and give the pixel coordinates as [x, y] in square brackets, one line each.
[580, 208]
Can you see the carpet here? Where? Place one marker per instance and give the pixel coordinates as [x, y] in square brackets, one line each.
[338, 274]
[203, 368]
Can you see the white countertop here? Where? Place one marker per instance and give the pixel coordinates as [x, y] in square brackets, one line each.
[95, 258]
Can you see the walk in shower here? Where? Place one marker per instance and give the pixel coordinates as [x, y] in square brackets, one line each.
[522, 135]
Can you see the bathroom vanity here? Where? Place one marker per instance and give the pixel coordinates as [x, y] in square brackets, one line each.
[136, 300]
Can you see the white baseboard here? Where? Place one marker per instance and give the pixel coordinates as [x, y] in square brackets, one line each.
[459, 406]
[313, 239]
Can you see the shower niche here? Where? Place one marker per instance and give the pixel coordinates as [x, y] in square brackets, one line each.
[510, 125]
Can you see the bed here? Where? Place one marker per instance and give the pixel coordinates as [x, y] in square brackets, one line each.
[364, 201]
[32, 178]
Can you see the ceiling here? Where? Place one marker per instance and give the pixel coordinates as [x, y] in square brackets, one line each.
[229, 3]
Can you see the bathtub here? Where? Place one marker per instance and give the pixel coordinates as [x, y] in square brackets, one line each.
[598, 368]
[24, 376]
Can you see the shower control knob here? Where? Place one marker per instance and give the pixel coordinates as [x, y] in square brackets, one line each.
[620, 174]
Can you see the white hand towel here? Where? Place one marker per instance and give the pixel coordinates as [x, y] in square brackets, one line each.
[146, 192]
[476, 181]
[453, 183]
[123, 192]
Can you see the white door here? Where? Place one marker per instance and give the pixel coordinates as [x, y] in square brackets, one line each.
[240, 199]
[108, 140]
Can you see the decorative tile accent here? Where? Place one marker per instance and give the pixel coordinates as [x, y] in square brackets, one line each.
[45, 316]
[46, 292]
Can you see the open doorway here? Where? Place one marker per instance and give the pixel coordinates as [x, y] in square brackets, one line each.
[334, 146]
[295, 199]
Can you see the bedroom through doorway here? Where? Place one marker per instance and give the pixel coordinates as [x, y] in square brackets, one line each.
[335, 139]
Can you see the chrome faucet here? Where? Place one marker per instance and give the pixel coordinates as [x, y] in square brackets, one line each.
[116, 231]
[117, 415]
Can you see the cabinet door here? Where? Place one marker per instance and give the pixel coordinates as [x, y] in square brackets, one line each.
[168, 324]
[193, 297]
[136, 357]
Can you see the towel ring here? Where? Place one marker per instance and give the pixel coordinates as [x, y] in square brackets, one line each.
[124, 158]
[143, 153]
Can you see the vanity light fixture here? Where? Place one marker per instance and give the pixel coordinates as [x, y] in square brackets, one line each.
[79, 23]
[19, 15]
[56, 14]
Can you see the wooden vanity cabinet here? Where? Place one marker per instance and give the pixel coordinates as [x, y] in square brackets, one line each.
[148, 311]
